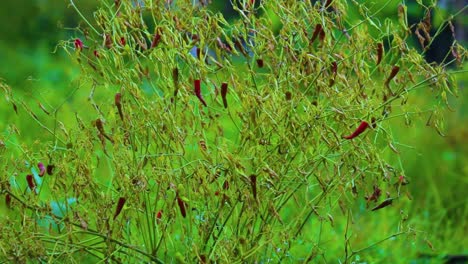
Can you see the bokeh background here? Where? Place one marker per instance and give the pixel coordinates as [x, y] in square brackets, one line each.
[437, 166]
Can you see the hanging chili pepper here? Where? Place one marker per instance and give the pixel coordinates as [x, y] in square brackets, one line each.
[198, 92]
[181, 204]
[118, 104]
[175, 79]
[100, 128]
[31, 182]
[318, 29]
[123, 41]
[253, 183]
[393, 73]
[156, 39]
[379, 53]
[8, 200]
[334, 69]
[260, 63]
[78, 44]
[159, 214]
[50, 169]
[385, 203]
[224, 89]
[361, 128]
[119, 207]
[42, 169]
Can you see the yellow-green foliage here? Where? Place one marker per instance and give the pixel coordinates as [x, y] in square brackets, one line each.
[269, 177]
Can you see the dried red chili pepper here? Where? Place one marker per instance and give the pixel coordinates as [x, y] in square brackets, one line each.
[361, 128]
[318, 29]
[31, 182]
[224, 89]
[393, 73]
[260, 63]
[118, 104]
[119, 207]
[50, 169]
[42, 169]
[78, 44]
[226, 185]
[159, 214]
[123, 41]
[181, 204]
[334, 69]
[175, 79]
[8, 200]
[385, 203]
[100, 128]
[379, 52]
[197, 84]
[253, 183]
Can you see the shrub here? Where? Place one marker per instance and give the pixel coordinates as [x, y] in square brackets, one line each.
[207, 141]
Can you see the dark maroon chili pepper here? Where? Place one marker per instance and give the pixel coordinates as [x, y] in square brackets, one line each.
[175, 79]
[224, 89]
[156, 39]
[253, 183]
[393, 73]
[322, 35]
[198, 50]
[385, 203]
[119, 207]
[107, 41]
[361, 128]
[8, 200]
[159, 214]
[379, 52]
[31, 183]
[50, 169]
[334, 69]
[318, 29]
[260, 63]
[100, 128]
[226, 185]
[96, 54]
[42, 169]
[181, 204]
[118, 104]
[197, 84]
[78, 44]
[328, 3]
[123, 41]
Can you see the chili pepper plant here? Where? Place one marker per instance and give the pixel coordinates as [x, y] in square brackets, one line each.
[199, 139]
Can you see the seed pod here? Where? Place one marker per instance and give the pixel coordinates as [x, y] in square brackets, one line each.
[42, 169]
[260, 63]
[78, 44]
[224, 89]
[385, 203]
[253, 183]
[361, 128]
[175, 79]
[392, 75]
[334, 69]
[119, 207]
[50, 169]
[379, 53]
[31, 182]
[198, 92]
[156, 39]
[318, 29]
[8, 200]
[118, 104]
[181, 204]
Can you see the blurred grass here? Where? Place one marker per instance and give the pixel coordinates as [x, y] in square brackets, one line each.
[437, 167]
